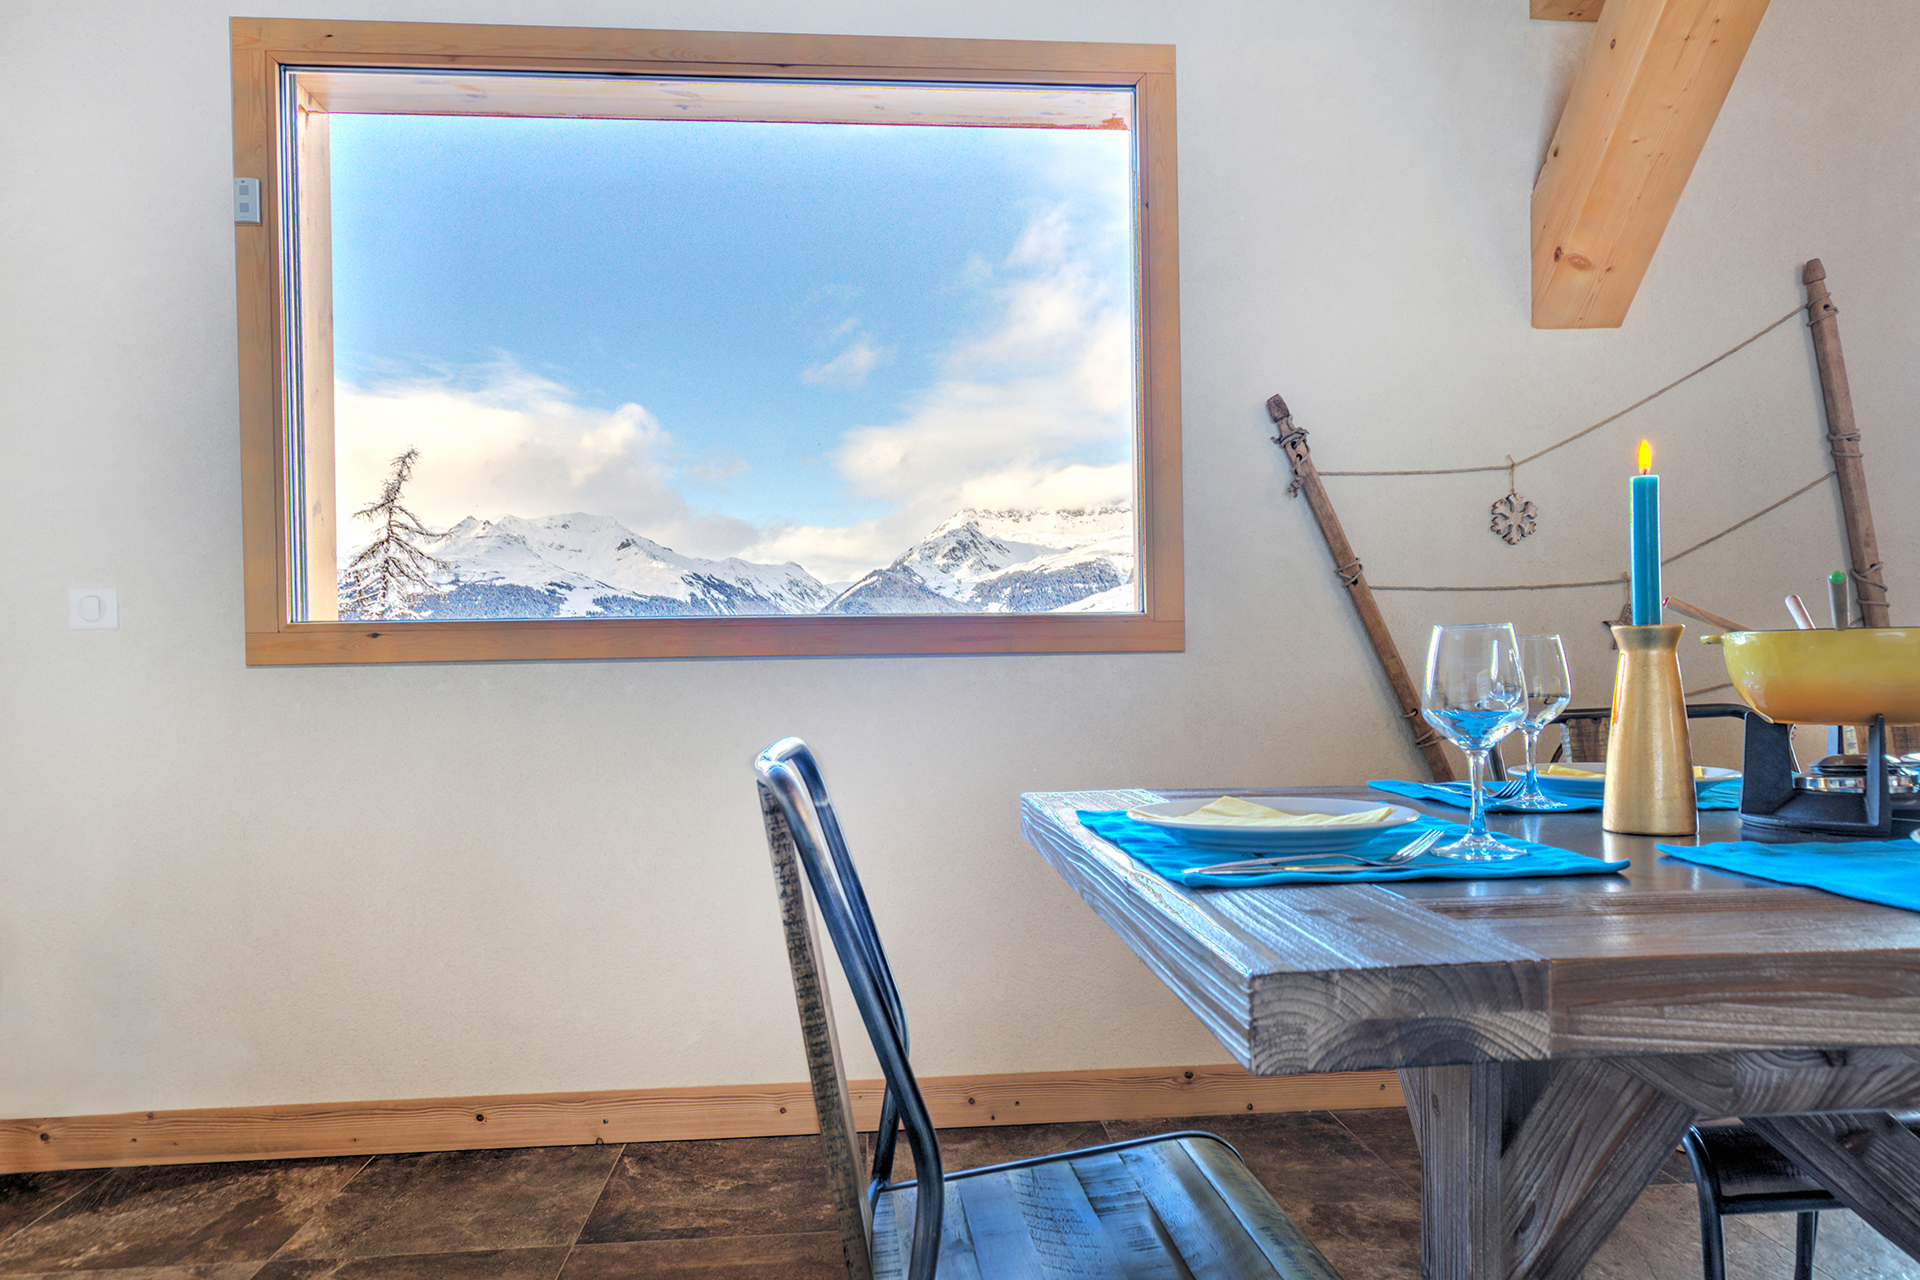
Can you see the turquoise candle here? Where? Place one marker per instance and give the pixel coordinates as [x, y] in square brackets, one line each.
[1645, 492]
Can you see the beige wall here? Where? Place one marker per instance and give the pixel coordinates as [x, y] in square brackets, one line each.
[222, 886]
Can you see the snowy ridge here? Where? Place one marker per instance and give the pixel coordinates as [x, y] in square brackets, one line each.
[586, 566]
[579, 566]
[1017, 561]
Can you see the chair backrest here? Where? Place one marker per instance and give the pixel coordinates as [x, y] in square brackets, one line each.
[1585, 738]
[1584, 730]
[811, 866]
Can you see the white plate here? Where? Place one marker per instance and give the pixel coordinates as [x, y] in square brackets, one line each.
[1596, 788]
[1171, 816]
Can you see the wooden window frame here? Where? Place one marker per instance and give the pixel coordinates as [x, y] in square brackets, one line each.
[279, 548]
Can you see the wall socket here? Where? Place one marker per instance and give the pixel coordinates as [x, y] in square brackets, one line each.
[93, 608]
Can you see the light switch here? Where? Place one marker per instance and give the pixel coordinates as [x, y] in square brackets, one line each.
[246, 199]
[93, 608]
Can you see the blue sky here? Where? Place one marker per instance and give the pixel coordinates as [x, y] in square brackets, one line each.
[781, 341]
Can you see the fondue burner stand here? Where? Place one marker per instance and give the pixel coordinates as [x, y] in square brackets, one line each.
[1880, 800]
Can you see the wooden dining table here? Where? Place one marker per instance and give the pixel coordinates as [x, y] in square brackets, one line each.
[1554, 1036]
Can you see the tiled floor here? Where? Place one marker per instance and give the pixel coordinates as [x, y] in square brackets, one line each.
[747, 1208]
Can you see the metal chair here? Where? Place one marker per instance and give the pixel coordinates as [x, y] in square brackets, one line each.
[1177, 1204]
[1583, 730]
[1736, 1171]
[1583, 733]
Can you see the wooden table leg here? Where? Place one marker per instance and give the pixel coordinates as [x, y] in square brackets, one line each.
[1528, 1168]
[1867, 1158]
[1457, 1115]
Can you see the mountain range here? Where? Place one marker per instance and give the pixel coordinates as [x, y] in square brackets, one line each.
[586, 566]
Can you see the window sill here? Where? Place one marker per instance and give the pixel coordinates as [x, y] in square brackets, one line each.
[538, 640]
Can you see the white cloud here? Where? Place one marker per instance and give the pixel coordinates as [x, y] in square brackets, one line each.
[515, 444]
[976, 444]
[1028, 401]
[1046, 487]
[848, 370]
[715, 469]
[837, 553]
[1022, 406]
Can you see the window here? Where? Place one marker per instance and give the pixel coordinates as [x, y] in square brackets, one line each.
[704, 483]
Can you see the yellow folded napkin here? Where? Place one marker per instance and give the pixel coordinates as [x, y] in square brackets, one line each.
[1229, 811]
[1565, 771]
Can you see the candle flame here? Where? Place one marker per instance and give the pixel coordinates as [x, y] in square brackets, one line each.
[1646, 456]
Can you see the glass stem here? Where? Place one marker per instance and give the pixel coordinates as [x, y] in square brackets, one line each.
[1533, 791]
[1476, 775]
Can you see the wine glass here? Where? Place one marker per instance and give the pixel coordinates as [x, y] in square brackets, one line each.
[1476, 694]
[1544, 661]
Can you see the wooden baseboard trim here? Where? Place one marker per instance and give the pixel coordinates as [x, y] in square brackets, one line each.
[573, 1119]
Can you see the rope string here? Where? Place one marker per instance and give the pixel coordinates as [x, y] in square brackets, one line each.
[1749, 520]
[1586, 431]
[1524, 586]
[1350, 573]
[1614, 582]
[1427, 735]
[1294, 435]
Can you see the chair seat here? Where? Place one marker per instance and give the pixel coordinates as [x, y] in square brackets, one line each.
[1749, 1168]
[1175, 1205]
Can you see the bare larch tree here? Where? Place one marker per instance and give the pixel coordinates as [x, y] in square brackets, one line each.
[390, 574]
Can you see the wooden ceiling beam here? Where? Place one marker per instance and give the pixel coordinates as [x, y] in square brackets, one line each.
[1567, 10]
[1639, 114]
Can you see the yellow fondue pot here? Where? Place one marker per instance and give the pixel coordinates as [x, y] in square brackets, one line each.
[1826, 676]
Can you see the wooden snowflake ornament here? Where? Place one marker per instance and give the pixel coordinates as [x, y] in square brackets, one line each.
[1513, 518]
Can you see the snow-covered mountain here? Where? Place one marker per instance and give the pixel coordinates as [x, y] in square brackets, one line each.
[586, 566]
[583, 566]
[1007, 562]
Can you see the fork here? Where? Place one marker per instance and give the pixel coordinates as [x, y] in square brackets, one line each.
[1263, 866]
[1489, 791]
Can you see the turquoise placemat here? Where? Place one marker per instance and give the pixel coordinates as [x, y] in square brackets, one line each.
[1715, 795]
[1885, 871]
[1175, 859]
